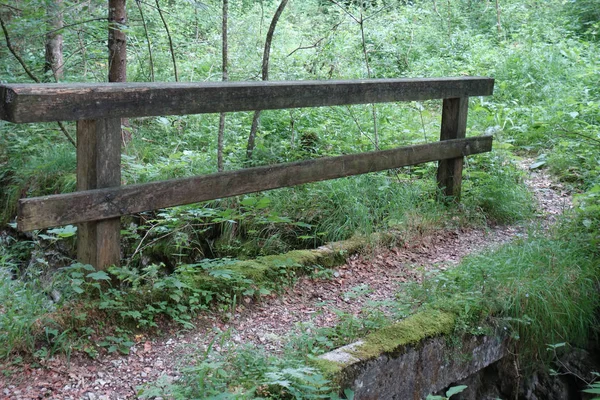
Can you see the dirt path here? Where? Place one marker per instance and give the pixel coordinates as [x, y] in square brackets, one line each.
[374, 277]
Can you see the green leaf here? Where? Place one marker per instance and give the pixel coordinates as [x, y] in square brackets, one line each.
[454, 390]
[78, 289]
[221, 273]
[99, 276]
[264, 202]
[537, 164]
[64, 232]
[349, 394]
[248, 202]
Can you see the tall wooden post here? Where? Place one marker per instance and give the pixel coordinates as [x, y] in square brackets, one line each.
[454, 126]
[99, 166]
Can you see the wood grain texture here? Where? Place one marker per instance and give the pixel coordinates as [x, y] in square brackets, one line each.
[22, 103]
[454, 126]
[48, 211]
[99, 166]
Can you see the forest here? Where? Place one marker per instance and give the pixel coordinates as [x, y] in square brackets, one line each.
[204, 266]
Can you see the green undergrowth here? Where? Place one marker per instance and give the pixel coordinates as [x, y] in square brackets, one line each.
[78, 303]
[539, 290]
[74, 302]
[226, 369]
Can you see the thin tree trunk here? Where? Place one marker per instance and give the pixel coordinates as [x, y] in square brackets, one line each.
[139, 6]
[498, 24]
[117, 41]
[54, 40]
[117, 51]
[449, 20]
[435, 8]
[361, 23]
[170, 40]
[265, 75]
[366, 55]
[225, 77]
[196, 23]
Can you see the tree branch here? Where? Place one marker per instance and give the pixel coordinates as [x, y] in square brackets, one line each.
[346, 11]
[265, 75]
[137, 2]
[30, 74]
[15, 54]
[170, 40]
[579, 134]
[316, 44]
[11, 7]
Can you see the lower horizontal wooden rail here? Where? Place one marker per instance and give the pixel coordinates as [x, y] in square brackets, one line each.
[99, 204]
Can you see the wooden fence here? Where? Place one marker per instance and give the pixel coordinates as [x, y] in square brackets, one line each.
[100, 200]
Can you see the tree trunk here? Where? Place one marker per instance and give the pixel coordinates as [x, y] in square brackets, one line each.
[265, 75]
[117, 41]
[225, 77]
[54, 39]
[117, 49]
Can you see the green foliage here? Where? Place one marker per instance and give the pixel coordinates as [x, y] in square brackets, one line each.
[588, 213]
[253, 373]
[23, 306]
[593, 388]
[586, 16]
[449, 393]
[539, 289]
[494, 185]
[546, 103]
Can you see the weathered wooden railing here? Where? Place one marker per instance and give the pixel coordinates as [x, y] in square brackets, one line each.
[100, 201]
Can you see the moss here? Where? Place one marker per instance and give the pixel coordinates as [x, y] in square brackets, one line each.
[409, 331]
[266, 268]
[251, 269]
[330, 369]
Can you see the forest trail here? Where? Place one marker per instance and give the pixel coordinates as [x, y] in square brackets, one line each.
[364, 279]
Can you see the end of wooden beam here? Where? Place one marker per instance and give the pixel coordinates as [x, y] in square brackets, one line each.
[8, 99]
[3, 104]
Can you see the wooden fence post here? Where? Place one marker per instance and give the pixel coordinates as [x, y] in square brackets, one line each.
[454, 126]
[99, 166]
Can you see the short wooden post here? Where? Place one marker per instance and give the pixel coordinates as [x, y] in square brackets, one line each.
[454, 126]
[99, 166]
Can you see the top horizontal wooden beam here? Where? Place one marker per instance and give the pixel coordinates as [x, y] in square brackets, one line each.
[21, 103]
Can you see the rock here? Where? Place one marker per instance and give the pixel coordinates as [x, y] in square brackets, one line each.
[425, 368]
[56, 296]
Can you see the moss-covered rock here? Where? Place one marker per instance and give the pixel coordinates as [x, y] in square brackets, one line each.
[409, 331]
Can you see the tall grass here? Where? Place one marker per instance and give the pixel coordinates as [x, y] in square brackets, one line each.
[542, 290]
